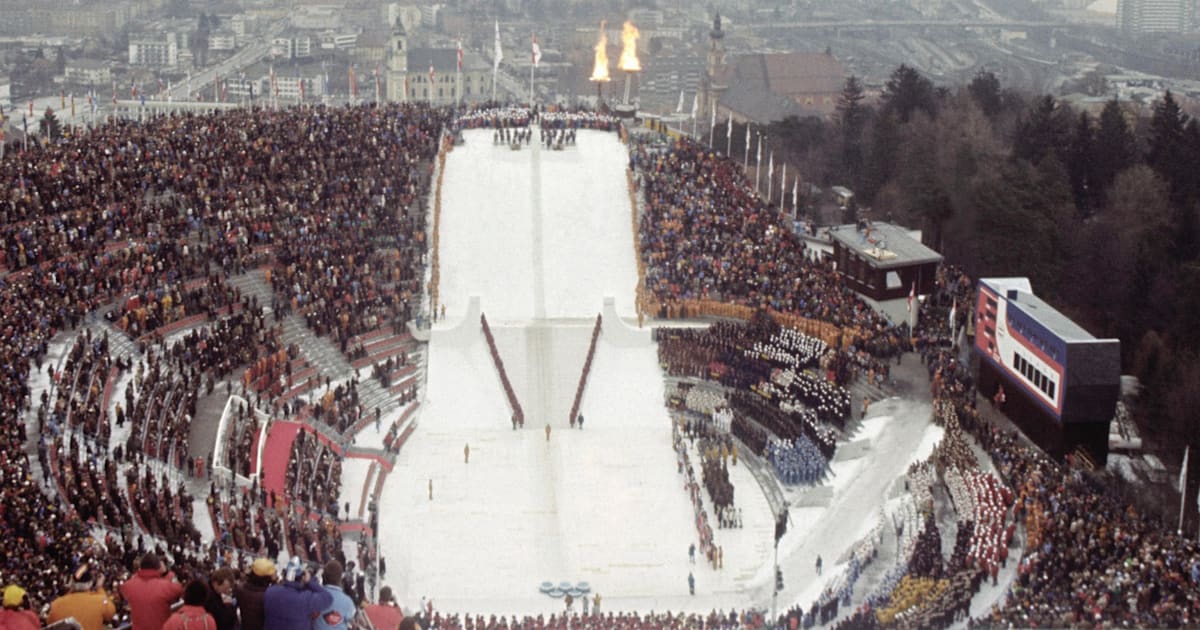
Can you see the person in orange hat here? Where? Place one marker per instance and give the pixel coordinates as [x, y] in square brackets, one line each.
[88, 603]
[16, 614]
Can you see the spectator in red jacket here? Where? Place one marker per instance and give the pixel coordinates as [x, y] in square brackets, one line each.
[150, 593]
[385, 615]
[192, 616]
[16, 614]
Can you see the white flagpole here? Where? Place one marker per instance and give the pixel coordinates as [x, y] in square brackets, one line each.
[795, 198]
[712, 124]
[729, 138]
[783, 189]
[746, 158]
[758, 162]
[770, 176]
[1183, 487]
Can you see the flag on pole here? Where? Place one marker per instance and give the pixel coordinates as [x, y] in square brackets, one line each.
[729, 130]
[114, 86]
[353, 84]
[460, 53]
[912, 295]
[300, 81]
[498, 53]
[953, 313]
[72, 104]
[679, 107]
[62, 99]
[695, 105]
[431, 79]
[795, 195]
[377, 83]
[537, 52]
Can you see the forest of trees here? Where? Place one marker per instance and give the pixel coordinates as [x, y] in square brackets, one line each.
[1099, 212]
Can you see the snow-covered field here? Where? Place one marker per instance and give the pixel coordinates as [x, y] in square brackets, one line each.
[542, 237]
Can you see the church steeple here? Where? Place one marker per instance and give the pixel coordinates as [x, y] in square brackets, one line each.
[397, 63]
[714, 70]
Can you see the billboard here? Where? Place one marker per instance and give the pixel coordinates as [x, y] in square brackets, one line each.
[1021, 348]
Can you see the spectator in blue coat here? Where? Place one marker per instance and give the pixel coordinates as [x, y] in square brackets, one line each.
[340, 613]
[295, 602]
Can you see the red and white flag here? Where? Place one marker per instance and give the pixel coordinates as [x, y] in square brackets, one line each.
[537, 52]
[431, 79]
[460, 54]
[353, 84]
[912, 295]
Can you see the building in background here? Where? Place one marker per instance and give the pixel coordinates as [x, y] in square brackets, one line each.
[1143, 17]
[88, 72]
[155, 49]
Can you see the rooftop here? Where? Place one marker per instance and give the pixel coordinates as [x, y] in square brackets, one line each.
[885, 245]
[1037, 308]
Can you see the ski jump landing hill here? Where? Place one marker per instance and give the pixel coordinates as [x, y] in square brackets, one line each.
[536, 240]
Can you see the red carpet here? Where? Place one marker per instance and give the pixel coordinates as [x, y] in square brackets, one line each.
[275, 456]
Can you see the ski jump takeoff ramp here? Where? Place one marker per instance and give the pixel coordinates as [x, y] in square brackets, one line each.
[541, 237]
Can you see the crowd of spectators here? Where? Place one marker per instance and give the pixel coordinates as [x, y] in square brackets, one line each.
[157, 214]
[706, 234]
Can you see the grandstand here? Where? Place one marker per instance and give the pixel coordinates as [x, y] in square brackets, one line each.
[223, 372]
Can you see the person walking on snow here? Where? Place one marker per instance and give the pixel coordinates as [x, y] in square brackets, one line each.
[547, 431]
[579, 421]
[692, 553]
[691, 584]
[818, 565]
[467, 454]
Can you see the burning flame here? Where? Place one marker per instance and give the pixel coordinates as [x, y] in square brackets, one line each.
[600, 67]
[629, 36]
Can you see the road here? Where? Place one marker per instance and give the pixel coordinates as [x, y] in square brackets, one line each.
[261, 47]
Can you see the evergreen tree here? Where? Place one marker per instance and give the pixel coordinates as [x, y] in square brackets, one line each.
[907, 92]
[851, 119]
[985, 89]
[881, 162]
[1081, 166]
[1045, 130]
[1167, 146]
[49, 125]
[1115, 148]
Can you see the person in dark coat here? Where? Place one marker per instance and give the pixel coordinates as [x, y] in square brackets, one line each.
[250, 594]
[296, 601]
[220, 602]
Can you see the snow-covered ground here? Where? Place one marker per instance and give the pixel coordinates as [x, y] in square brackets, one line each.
[542, 237]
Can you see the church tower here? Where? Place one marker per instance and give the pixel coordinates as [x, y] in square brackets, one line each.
[397, 63]
[714, 84]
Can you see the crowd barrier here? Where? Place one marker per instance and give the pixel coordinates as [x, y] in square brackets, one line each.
[833, 335]
[434, 265]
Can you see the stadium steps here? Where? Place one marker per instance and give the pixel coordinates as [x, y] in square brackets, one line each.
[119, 344]
[328, 359]
[254, 282]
